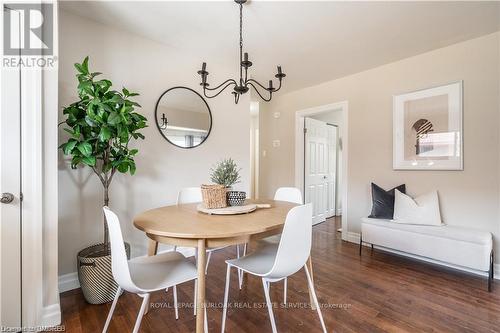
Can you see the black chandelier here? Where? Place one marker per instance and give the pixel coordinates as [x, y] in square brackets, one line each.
[244, 83]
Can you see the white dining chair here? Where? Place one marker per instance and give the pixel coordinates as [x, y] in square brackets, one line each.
[289, 194]
[144, 275]
[275, 262]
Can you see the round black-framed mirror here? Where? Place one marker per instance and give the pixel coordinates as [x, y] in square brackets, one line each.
[183, 117]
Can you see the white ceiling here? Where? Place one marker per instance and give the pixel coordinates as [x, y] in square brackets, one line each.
[313, 41]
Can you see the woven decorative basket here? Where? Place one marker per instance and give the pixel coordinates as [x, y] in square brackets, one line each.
[95, 275]
[214, 196]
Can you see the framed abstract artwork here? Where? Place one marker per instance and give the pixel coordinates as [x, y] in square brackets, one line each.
[428, 129]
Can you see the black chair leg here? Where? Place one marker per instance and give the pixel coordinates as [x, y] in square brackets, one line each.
[360, 243]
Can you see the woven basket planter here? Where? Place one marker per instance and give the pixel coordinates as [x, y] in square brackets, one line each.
[214, 196]
[95, 275]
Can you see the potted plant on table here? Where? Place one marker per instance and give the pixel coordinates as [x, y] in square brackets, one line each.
[101, 123]
[227, 173]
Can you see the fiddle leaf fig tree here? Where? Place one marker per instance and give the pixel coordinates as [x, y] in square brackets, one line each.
[102, 123]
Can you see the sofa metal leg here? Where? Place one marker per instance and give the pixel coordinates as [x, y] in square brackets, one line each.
[360, 243]
[491, 274]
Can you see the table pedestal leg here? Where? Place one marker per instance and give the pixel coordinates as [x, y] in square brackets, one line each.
[309, 263]
[200, 299]
[152, 247]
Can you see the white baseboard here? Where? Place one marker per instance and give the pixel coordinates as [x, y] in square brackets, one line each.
[339, 212]
[353, 237]
[51, 315]
[68, 282]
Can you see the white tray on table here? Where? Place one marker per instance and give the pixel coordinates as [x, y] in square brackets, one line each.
[231, 210]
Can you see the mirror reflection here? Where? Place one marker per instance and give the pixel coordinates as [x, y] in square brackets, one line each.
[183, 117]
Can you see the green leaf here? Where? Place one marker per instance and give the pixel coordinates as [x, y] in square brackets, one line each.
[123, 134]
[125, 91]
[85, 148]
[133, 152]
[122, 167]
[86, 86]
[104, 134]
[114, 118]
[106, 107]
[89, 160]
[85, 65]
[75, 161]
[68, 146]
[71, 132]
[104, 85]
[115, 99]
[133, 168]
[137, 135]
[79, 68]
[90, 122]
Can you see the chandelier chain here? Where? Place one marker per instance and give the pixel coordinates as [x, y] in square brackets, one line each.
[241, 43]
[241, 26]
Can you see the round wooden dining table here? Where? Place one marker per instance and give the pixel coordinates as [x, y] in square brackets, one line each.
[183, 225]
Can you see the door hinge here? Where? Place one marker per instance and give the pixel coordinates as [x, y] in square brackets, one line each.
[305, 130]
[21, 196]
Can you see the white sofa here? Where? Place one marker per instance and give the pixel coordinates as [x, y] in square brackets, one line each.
[454, 246]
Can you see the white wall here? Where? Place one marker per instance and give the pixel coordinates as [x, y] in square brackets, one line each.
[469, 197]
[149, 68]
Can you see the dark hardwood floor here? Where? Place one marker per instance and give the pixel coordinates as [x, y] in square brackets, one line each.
[377, 292]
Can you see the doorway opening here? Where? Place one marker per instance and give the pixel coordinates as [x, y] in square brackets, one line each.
[321, 157]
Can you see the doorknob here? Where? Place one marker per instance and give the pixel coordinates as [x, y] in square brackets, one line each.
[7, 198]
[324, 177]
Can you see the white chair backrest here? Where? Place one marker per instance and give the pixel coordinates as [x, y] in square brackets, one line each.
[119, 261]
[295, 243]
[290, 194]
[189, 195]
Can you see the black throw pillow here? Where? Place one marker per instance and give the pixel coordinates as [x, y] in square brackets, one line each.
[383, 202]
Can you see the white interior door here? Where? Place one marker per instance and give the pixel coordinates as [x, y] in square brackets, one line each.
[319, 168]
[10, 189]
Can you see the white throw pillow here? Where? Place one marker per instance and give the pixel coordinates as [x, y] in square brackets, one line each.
[424, 209]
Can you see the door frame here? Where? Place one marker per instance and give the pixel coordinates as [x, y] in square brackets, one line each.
[11, 118]
[299, 151]
[39, 172]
